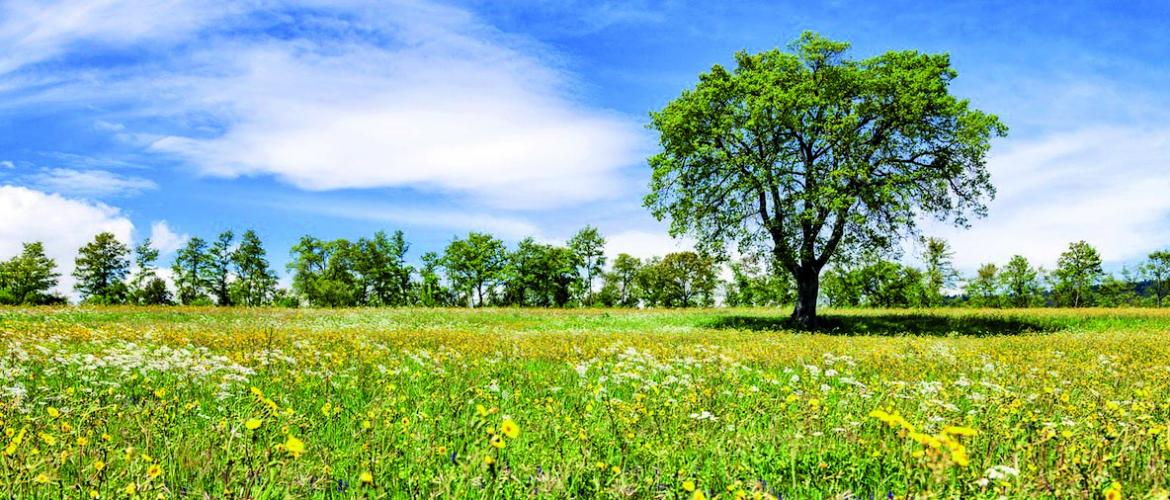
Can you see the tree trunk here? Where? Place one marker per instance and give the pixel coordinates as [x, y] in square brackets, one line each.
[807, 288]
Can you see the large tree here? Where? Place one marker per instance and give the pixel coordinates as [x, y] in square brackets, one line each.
[190, 272]
[808, 154]
[101, 268]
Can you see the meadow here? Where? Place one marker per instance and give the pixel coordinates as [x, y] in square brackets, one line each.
[506, 403]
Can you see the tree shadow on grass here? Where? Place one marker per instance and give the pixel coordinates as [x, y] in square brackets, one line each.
[892, 324]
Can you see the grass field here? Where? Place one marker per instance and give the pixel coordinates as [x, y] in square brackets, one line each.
[515, 403]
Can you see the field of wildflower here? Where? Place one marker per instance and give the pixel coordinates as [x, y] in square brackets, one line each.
[236, 403]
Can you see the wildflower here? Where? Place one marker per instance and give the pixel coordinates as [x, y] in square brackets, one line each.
[959, 431]
[615, 469]
[699, 495]
[487, 459]
[510, 429]
[154, 471]
[99, 465]
[41, 478]
[481, 411]
[497, 441]
[688, 486]
[366, 478]
[1113, 492]
[252, 424]
[294, 446]
[53, 412]
[130, 489]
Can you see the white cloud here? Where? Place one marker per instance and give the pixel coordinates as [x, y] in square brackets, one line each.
[7, 164]
[41, 29]
[165, 239]
[86, 183]
[367, 94]
[61, 223]
[645, 244]
[1105, 186]
[500, 226]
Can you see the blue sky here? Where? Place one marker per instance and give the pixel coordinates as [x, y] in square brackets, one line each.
[171, 118]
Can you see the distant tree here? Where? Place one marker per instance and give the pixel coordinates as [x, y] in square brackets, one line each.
[340, 285]
[984, 289]
[190, 271]
[146, 287]
[680, 279]
[475, 265]
[753, 284]
[1157, 271]
[1077, 271]
[28, 278]
[878, 283]
[309, 257]
[540, 275]
[218, 271]
[381, 263]
[100, 270]
[623, 279]
[939, 269]
[1116, 291]
[589, 247]
[1021, 282]
[431, 292]
[255, 283]
[806, 155]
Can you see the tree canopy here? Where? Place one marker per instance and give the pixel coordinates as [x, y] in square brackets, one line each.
[807, 154]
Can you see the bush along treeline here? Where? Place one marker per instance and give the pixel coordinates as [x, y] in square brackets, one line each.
[481, 270]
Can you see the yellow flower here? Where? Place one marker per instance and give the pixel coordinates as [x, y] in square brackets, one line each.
[481, 411]
[53, 412]
[366, 478]
[294, 446]
[252, 424]
[49, 440]
[497, 441]
[41, 478]
[154, 471]
[689, 485]
[489, 460]
[510, 429]
[131, 489]
[959, 431]
[615, 469]
[99, 465]
[699, 495]
[1114, 492]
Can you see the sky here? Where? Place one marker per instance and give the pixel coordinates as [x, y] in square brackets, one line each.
[176, 118]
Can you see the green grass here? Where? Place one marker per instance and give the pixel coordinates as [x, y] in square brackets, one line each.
[609, 403]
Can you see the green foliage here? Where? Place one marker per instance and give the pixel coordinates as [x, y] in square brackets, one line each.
[620, 284]
[475, 265]
[807, 154]
[1021, 282]
[753, 284]
[680, 279]
[881, 283]
[985, 289]
[541, 275]
[939, 269]
[255, 282]
[588, 247]
[218, 267]
[1157, 271]
[27, 278]
[146, 287]
[100, 269]
[190, 273]
[1077, 271]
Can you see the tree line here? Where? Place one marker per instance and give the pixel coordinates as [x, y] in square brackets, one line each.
[480, 270]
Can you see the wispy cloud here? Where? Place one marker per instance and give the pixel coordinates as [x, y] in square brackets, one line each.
[1107, 186]
[165, 239]
[88, 183]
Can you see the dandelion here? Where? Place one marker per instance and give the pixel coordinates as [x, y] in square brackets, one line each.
[252, 424]
[366, 478]
[153, 471]
[497, 441]
[41, 478]
[130, 489]
[688, 486]
[510, 429]
[487, 459]
[294, 447]
[53, 412]
[1114, 492]
[99, 465]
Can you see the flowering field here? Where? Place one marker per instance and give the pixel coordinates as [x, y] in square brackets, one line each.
[509, 403]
